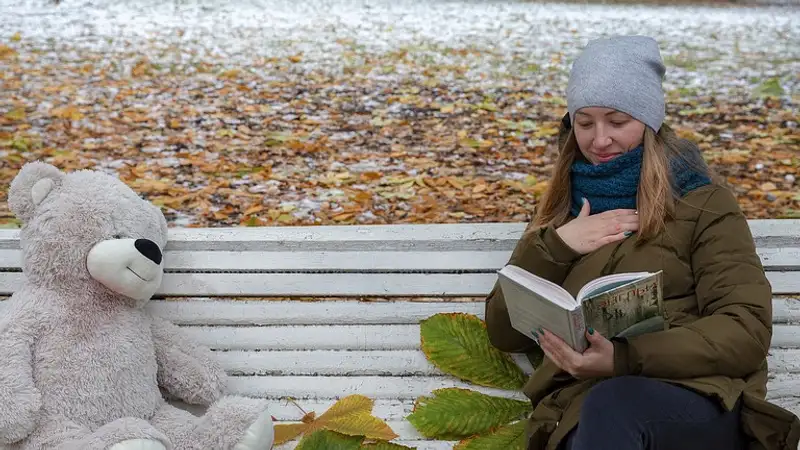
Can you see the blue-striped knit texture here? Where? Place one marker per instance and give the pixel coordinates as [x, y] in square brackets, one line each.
[614, 184]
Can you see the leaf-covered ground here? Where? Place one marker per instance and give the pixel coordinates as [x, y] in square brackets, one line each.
[386, 111]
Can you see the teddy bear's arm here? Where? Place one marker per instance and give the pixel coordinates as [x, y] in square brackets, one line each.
[186, 369]
[20, 400]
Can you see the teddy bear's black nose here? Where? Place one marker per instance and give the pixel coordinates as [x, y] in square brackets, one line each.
[149, 249]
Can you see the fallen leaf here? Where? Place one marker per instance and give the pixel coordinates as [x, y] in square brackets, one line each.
[351, 415]
[768, 186]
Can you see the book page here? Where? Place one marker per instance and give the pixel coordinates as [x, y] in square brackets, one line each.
[528, 311]
[632, 308]
[545, 288]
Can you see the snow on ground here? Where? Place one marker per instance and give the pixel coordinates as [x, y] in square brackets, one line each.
[736, 43]
[372, 57]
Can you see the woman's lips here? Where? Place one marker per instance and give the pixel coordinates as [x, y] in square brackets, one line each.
[605, 158]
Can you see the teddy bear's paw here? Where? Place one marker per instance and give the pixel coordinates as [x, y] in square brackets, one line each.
[139, 444]
[259, 435]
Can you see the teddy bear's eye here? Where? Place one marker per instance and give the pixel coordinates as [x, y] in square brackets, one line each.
[117, 236]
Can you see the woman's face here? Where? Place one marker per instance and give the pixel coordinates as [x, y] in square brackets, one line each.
[605, 133]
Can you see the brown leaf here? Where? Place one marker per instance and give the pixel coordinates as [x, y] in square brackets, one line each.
[768, 186]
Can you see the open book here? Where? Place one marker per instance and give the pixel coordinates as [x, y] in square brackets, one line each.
[621, 304]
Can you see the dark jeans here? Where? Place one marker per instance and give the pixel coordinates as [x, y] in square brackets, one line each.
[638, 413]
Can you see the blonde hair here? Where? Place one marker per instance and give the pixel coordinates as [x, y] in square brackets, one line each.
[655, 199]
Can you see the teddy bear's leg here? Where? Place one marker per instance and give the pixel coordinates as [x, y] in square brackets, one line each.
[59, 433]
[232, 423]
[177, 424]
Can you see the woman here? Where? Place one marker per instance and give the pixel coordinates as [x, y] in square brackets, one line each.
[628, 195]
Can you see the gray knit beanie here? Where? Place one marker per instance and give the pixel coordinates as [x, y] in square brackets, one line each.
[622, 73]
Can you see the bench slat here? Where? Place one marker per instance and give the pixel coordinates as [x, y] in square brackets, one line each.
[416, 444]
[344, 284]
[433, 237]
[397, 410]
[773, 259]
[345, 312]
[392, 363]
[406, 388]
[357, 337]
[311, 261]
[386, 409]
[307, 337]
[314, 284]
[233, 312]
[430, 237]
[404, 429]
[375, 387]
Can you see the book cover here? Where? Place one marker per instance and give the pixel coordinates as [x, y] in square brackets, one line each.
[627, 310]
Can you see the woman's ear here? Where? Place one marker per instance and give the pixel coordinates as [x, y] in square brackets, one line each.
[34, 182]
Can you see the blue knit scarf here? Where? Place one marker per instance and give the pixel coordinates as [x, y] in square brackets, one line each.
[613, 184]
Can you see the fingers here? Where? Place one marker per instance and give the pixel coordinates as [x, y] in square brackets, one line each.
[594, 337]
[613, 238]
[621, 221]
[585, 208]
[619, 213]
[558, 351]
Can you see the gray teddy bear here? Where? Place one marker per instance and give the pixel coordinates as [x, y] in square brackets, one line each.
[83, 363]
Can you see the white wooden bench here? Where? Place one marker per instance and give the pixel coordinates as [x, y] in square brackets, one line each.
[379, 282]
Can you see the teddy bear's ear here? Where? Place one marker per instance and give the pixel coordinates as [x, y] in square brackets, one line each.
[33, 183]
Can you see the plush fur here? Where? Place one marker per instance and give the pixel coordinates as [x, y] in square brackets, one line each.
[84, 365]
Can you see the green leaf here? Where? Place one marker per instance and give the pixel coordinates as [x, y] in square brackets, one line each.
[329, 440]
[11, 223]
[441, 416]
[510, 437]
[770, 88]
[458, 344]
[383, 445]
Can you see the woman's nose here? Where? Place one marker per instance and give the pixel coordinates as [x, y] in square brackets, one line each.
[601, 139]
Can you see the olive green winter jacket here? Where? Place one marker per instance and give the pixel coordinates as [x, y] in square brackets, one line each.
[719, 306]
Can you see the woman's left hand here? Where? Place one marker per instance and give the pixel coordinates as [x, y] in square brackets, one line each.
[596, 361]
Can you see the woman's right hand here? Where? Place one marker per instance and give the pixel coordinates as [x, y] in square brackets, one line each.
[586, 233]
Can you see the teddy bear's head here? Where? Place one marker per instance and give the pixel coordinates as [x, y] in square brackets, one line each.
[87, 231]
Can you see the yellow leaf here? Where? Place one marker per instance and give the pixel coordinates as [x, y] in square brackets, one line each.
[766, 187]
[16, 37]
[540, 187]
[174, 124]
[230, 74]
[253, 210]
[142, 67]
[295, 58]
[15, 114]
[369, 176]
[67, 112]
[352, 415]
[545, 132]
[362, 196]
[447, 109]
[6, 52]
[285, 432]
[458, 184]
[342, 176]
